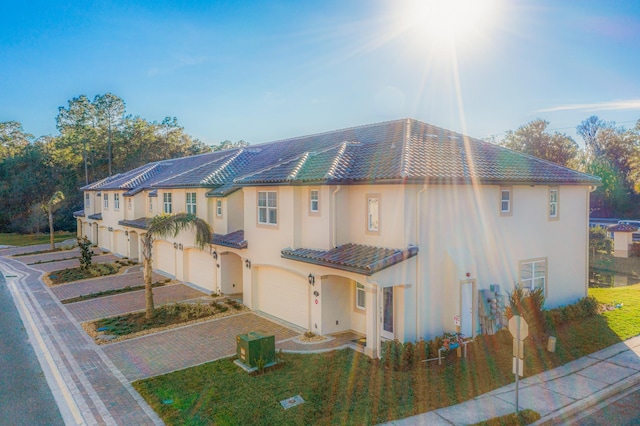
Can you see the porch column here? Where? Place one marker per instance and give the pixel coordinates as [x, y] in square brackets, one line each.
[372, 348]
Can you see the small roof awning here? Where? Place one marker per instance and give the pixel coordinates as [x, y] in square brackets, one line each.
[622, 227]
[234, 239]
[97, 216]
[79, 213]
[141, 223]
[358, 258]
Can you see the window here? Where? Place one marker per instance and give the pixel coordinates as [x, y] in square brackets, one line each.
[505, 201]
[314, 201]
[533, 274]
[268, 207]
[150, 204]
[106, 200]
[167, 202]
[129, 203]
[116, 201]
[219, 208]
[191, 203]
[553, 203]
[373, 213]
[360, 296]
[87, 201]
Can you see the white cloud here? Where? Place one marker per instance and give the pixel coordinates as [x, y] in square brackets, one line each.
[629, 104]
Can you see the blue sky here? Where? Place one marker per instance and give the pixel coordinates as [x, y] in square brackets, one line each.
[262, 71]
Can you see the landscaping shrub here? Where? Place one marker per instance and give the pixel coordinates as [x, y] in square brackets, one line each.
[599, 240]
[529, 304]
[634, 250]
[86, 253]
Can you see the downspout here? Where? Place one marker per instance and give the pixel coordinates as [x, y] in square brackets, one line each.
[590, 189]
[334, 214]
[418, 271]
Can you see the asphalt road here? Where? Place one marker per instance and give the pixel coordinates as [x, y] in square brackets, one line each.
[619, 410]
[25, 398]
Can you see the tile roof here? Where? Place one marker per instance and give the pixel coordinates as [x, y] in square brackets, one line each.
[79, 213]
[362, 259]
[397, 151]
[95, 216]
[234, 240]
[622, 227]
[140, 223]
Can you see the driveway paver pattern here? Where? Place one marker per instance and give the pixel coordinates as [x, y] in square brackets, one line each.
[187, 346]
[72, 263]
[131, 278]
[109, 306]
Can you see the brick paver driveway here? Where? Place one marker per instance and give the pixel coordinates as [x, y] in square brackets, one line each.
[109, 306]
[187, 346]
[72, 263]
[131, 278]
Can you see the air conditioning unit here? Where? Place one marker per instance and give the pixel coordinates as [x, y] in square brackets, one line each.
[255, 346]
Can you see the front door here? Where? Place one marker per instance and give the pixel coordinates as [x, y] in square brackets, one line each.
[387, 313]
[466, 308]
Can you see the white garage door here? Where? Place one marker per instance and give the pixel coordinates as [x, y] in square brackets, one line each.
[104, 241]
[284, 295]
[199, 268]
[164, 258]
[120, 243]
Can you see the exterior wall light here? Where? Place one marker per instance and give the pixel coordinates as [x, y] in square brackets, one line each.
[110, 229]
[126, 233]
[180, 246]
[175, 245]
[247, 263]
[215, 255]
[312, 279]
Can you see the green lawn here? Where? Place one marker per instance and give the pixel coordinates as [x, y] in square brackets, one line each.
[33, 239]
[346, 387]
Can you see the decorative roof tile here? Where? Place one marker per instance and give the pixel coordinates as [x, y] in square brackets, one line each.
[622, 227]
[234, 239]
[362, 259]
[96, 216]
[79, 213]
[141, 223]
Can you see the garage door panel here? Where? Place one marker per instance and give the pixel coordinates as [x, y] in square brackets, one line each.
[199, 269]
[165, 258]
[284, 295]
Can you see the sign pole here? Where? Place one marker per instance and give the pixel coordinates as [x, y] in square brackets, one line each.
[517, 364]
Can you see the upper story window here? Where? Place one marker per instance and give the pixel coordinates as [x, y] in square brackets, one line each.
[533, 274]
[129, 203]
[150, 204]
[219, 208]
[116, 201]
[314, 201]
[191, 203]
[373, 213]
[553, 203]
[360, 296]
[105, 199]
[87, 200]
[505, 201]
[268, 207]
[167, 203]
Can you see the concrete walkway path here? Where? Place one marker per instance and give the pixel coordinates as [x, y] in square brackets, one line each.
[555, 394]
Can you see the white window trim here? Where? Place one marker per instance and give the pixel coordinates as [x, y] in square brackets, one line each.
[509, 210]
[529, 282]
[555, 203]
[116, 201]
[267, 209]
[167, 203]
[313, 211]
[87, 200]
[369, 226]
[105, 198]
[129, 203]
[150, 206]
[360, 289]
[192, 203]
[218, 207]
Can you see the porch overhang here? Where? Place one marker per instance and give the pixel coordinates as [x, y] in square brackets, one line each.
[141, 223]
[97, 216]
[234, 239]
[79, 213]
[358, 258]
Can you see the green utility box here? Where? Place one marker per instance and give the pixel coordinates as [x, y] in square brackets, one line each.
[256, 345]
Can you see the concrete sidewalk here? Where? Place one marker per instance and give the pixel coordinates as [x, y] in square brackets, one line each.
[555, 394]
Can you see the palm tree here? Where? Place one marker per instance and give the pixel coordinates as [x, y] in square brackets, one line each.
[49, 207]
[164, 226]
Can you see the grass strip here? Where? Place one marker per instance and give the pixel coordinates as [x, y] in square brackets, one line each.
[40, 262]
[21, 240]
[524, 417]
[111, 292]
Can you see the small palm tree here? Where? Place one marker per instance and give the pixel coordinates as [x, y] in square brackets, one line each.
[164, 226]
[49, 207]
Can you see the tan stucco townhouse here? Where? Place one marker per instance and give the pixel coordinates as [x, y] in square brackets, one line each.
[389, 230]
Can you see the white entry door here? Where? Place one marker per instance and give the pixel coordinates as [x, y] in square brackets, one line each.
[466, 308]
[387, 313]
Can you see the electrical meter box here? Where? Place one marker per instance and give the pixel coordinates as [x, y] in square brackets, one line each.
[254, 346]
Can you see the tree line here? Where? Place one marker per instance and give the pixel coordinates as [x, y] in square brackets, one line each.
[611, 152]
[96, 139]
